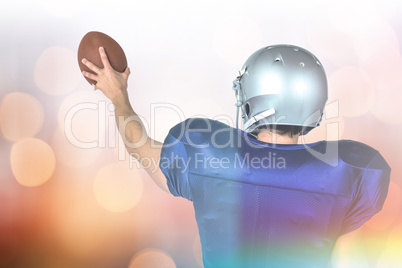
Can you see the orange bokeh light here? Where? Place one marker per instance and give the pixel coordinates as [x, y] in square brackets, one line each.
[154, 258]
[21, 116]
[117, 188]
[32, 162]
[391, 256]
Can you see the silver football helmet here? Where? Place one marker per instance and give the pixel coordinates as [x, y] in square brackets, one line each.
[281, 85]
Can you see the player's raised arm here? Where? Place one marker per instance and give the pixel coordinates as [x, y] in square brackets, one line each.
[114, 85]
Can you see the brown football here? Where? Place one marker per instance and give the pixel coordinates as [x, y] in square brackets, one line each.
[89, 49]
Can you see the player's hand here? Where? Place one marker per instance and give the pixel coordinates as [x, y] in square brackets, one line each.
[112, 83]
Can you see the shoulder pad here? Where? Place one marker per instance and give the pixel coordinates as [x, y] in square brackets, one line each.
[200, 130]
[356, 154]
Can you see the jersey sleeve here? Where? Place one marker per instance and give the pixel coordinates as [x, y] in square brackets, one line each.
[174, 165]
[370, 192]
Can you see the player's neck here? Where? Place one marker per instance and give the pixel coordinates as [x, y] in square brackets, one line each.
[272, 137]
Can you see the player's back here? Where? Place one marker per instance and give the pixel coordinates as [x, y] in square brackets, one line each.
[267, 205]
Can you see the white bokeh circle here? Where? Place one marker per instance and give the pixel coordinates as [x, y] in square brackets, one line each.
[56, 71]
[354, 90]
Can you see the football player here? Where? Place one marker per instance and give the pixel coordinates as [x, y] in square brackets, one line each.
[260, 198]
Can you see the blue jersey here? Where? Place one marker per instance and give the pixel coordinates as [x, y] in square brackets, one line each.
[270, 205]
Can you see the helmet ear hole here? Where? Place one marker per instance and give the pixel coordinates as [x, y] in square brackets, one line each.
[247, 109]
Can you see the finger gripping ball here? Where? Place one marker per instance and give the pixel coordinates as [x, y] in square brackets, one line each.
[89, 49]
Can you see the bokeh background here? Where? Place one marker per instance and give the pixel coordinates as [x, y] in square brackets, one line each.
[69, 194]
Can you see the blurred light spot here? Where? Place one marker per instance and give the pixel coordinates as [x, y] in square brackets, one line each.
[71, 155]
[387, 107]
[117, 188]
[197, 250]
[388, 77]
[236, 38]
[83, 117]
[391, 256]
[389, 213]
[21, 116]
[353, 89]
[350, 251]
[152, 258]
[388, 82]
[56, 71]
[332, 44]
[32, 162]
[376, 47]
